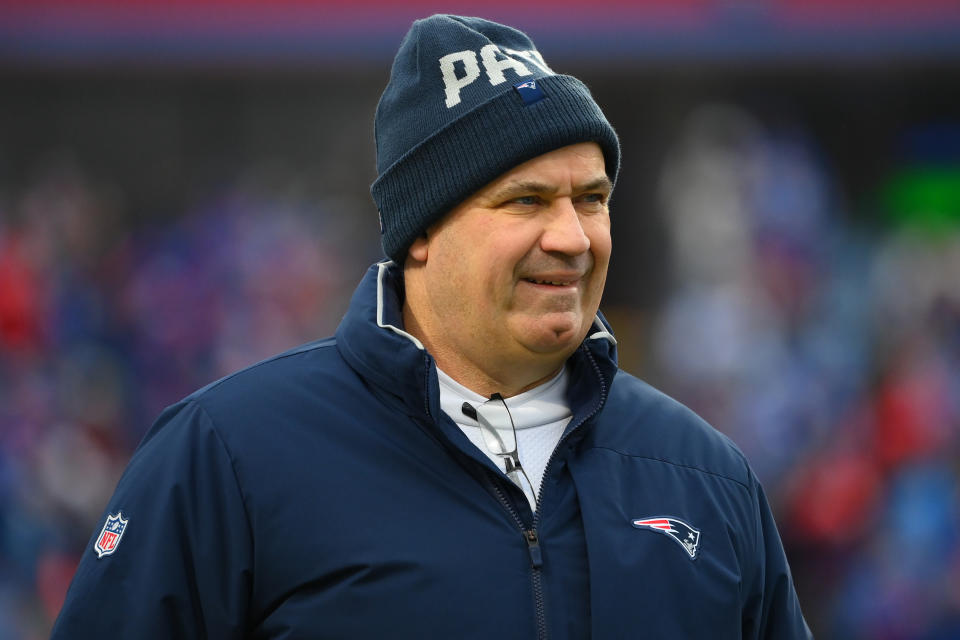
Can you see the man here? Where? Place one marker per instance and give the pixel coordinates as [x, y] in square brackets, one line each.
[463, 459]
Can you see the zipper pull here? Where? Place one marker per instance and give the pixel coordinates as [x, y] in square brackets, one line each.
[533, 546]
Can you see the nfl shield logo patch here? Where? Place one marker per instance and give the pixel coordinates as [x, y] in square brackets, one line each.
[110, 535]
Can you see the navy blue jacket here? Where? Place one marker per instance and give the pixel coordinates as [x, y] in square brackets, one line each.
[323, 494]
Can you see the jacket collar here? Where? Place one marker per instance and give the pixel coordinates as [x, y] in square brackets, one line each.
[372, 341]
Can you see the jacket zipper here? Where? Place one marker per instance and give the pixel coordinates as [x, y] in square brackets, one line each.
[530, 536]
[532, 539]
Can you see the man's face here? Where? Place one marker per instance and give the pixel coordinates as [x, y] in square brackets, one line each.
[516, 271]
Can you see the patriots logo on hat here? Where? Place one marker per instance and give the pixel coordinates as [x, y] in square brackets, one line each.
[681, 532]
[529, 92]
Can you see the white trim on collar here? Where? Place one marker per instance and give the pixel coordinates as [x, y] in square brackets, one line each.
[383, 266]
[601, 332]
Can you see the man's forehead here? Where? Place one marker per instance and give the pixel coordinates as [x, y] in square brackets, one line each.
[582, 164]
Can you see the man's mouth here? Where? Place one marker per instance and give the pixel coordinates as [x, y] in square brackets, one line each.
[555, 283]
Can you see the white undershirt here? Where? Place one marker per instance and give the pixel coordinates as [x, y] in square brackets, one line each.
[540, 415]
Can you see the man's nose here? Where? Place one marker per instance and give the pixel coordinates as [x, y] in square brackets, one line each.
[563, 231]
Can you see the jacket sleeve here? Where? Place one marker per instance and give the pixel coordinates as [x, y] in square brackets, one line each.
[772, 611]
[181, 567]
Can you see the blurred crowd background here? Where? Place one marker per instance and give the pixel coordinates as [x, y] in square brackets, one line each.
[184, 191]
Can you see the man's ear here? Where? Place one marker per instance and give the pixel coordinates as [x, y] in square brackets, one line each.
[418, 250]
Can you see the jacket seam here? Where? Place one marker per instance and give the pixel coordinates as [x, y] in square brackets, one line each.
[233, 465]
[745, 486]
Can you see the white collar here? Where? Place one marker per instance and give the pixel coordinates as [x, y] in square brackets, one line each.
[544, 404]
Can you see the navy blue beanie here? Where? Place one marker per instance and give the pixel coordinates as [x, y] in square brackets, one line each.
[468, 100]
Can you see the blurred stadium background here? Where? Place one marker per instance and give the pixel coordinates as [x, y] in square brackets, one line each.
[183, 191]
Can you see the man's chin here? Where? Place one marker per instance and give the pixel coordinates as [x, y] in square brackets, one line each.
[550, 336]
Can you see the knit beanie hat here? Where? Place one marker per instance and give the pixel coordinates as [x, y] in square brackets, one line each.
[468, 100]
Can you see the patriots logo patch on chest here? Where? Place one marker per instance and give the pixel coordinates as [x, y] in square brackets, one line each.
[681, 532]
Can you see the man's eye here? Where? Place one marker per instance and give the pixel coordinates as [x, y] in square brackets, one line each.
[598, 198]
[526, 200]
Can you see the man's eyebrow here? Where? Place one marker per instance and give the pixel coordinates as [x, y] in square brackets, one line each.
[525, 187]
[603, 183]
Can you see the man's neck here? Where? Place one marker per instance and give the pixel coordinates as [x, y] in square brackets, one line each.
[490, 375]
[483, 378]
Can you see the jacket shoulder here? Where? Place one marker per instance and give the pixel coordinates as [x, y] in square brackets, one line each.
[306, 359]
[285, 389]
[639, 420]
